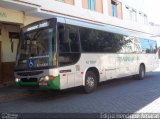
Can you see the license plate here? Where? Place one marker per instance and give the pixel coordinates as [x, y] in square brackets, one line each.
[43, 83]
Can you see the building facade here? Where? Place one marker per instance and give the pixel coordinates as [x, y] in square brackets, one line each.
[15, 14]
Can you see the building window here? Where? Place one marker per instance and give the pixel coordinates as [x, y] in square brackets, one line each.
[143, 18]
[131, 14]
[134, 15]
[114, 8]
[91, 4]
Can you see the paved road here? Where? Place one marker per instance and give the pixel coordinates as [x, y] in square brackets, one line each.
[126, 95]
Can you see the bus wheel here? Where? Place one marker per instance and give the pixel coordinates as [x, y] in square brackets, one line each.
[142, 72]
[90, 82]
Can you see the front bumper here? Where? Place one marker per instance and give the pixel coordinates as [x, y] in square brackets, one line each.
[51, 84]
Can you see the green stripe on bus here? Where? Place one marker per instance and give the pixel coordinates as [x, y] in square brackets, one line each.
[54, 84]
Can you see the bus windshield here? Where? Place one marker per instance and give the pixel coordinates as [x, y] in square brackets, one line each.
[36, 49]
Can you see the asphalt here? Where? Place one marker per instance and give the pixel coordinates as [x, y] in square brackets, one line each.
[9, 92]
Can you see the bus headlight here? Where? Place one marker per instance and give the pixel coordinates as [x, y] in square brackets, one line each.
[46, 78]
[17, 79]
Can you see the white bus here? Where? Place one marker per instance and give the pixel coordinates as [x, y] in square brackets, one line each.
[61, 53]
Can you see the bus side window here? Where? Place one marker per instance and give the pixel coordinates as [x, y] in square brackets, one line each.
[74, 42]
[63, 39]
[69, 51]
[145, 45]
[153, 46]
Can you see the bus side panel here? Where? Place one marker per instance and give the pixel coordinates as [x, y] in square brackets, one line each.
[146, 60]
[126, 65]
[105, 63]
[70, 76]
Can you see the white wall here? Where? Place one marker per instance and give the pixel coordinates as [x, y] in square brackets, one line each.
[30, 19]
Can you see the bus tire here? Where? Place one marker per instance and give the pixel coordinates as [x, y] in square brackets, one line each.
[90, 82]
[142, 72]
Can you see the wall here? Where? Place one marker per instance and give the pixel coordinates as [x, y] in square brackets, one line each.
[109, 8]
[69, 2]
[98, 3]
[30, 19]
[85, 4]
[99, 6]
[7, 14]
[119, 8]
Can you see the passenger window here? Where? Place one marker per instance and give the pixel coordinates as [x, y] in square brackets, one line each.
[100, 41]
[69, 46]
[145, 45]
[153, 45]
[63, 40]
[74, 39]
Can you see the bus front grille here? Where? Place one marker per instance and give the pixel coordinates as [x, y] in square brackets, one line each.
[29, 79]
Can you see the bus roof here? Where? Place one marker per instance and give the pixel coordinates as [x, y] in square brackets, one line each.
[110, 28]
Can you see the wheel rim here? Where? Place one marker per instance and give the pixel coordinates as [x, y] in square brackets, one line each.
[90, 82]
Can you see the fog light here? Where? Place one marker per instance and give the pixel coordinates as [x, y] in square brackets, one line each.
[17, 79]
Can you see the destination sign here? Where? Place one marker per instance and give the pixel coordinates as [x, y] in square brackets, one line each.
[48, 23]
[34, 27]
